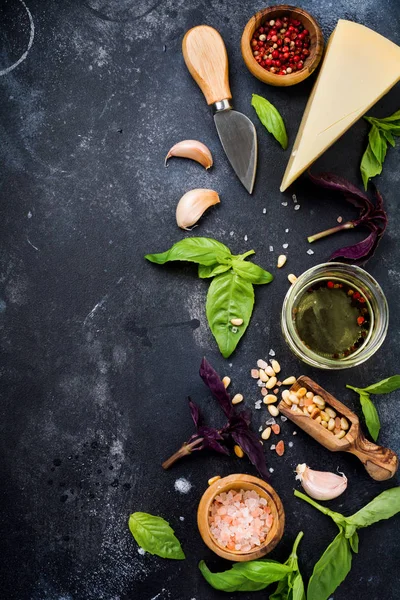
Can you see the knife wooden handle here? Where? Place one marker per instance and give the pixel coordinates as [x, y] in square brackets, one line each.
[205, 56]
[381, 463]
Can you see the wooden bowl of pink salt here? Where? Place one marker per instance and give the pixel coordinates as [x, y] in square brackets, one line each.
[241, 517]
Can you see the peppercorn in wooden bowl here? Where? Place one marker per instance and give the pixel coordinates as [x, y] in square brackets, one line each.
[269, 501]
[282, 45]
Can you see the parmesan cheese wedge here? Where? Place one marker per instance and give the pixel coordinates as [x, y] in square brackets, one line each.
[360, 67]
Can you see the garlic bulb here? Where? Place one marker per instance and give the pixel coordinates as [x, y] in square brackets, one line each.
[193, 204]
[321, 485]
[192, 149]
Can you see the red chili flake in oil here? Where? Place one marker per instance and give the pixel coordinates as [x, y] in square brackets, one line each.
[360, 320]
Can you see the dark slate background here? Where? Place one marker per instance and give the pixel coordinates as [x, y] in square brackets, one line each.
[99, 349]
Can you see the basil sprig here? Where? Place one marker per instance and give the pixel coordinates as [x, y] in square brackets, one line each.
[270, 118]
[155, 535]
[380, 135]
[370, 413]
[335, 563]
[258, 574]
[231, 294]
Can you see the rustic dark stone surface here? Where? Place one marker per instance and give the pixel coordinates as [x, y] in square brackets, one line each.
[99, 349]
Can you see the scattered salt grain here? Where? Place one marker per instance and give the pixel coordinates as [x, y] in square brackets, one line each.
[231, 233]
[260, 428]
[339, 219]
[310, 252]
[297, 207]
[271, 470]
[284, 203]
[29, 215]
[181, 518]
[245, 238]
[283, 418]
[271, 248]
[286, 230]
[294, 432]
[294, 198]
[270, 421]
[290, 444]
[264, 211]
[240, 520]
[182, 485]
[271, 352]
[257, 404]
[141, 551]
[285, 246]
[272, 447]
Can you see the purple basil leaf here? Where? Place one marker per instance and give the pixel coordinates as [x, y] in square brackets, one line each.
[359, 252]
[195, 412]
[212, 439]
[250, 444]
[214, 383]
[331, 181]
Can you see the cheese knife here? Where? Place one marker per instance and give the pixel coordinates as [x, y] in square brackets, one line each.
[206, 58]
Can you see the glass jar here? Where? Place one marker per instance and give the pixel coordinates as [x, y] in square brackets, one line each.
[358, 280]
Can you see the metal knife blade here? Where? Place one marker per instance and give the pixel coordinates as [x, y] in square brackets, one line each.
[239, 140]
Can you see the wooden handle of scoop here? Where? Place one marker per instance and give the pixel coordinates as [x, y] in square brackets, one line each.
[205, 56]
[381, 463]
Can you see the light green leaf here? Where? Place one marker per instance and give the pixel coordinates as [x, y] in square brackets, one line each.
[245, 577]
[251, 272]
[377, 143]
[370, 166]
[331, 569]
[206, 271]
[270, 118]
[370, 413]
[229, 297]
[202, 250]
[298, 592]
[384, 506]
[394, 117]
[155, 535]
[385, 386]
[354, 541]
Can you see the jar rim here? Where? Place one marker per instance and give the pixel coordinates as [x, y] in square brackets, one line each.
[378, 300]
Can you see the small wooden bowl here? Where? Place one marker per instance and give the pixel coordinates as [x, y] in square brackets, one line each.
[244, 482]
[316, 45]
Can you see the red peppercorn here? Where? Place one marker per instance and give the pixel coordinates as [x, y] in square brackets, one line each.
[305, 32]
[275, 54]
[277, 63]
[278, 24]
[285, 55]
[300, 65]
[296, 58]
[356, 295]
[261, 30]
[330, 284]
[305, 52]
[360, 320]
[279, 42]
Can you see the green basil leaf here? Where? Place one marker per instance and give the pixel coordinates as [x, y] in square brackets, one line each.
[370, 415]
[377, 143]
[394, 117]
[245, 255]
[282, 591]
[331, 569]
[205, 251]
[206, 271]
[251, 272]
[270, 118]
[155, 535]
[354, 542]
[384, 506]
[385, 386]
[389, 137]
[370, 166]
[298, 592]
[245, 577]
[229, 297]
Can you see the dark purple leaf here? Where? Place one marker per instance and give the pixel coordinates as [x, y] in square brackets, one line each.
[195, 412]
[331, 181]
[214, 383]
[212, 439]
[250, 444]
[357, 252]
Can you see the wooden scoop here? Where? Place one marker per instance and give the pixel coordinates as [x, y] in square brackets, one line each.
[381, 463]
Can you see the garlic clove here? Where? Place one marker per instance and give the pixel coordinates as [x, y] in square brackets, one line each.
[192, 149]
[193, 204]
[321, 485]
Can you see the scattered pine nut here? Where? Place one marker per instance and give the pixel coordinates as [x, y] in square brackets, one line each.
[270, 399]
[270, 371]
[226, 381]
[292, 278]
[280, 448]
[255, 373]
[237, 398]
[276, 428]
[289, 380]
[266, 433]
[281, 260]
[262, 364]
[237, 322]
[275, 365]
[273, 410]
[263, 376]
[271, 383]
[213, 479]
[238, 451]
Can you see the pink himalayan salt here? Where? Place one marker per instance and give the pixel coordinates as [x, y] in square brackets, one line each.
[240, 520]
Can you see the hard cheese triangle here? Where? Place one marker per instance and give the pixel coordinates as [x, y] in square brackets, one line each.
[360, 66]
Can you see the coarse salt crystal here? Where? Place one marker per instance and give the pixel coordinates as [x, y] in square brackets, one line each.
[260, 428]
[297, 207]
[245, 238]
[272, 447]
[257, 404]
[182, 485]
[310, 252]
[262, 364]
[290, 444]
[231, 233]
[141, 551]
[284, 203]
[271, 248]
[181, 518]
[294, 432]
[283, 418]
[294, 198]
[271, 470]
[339, 219]
[271, 352]
[286, 230]
[270, 421]
[264, 211]
[285, 246]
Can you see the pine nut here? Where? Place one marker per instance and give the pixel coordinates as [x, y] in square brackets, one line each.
[270, 399]
[324, 424]
[301, 403]
[281, 260]
[330, 412]
[285, 394]
[262, 364]
[319, 401]
[317, 419]
[213, 479]
[295, 408]
[270, 371]
[276, 366]
[341, 434]
[308, 401]
[237, 398]
[263, 376]
[301, 392]
[294, 399]
[305, 412]
[271, 383]
[325, 416]
[344, 424]
[255, 373]
[266, 433]
[238, 451]
[273, 410]
[292, 278]
[310, 408]
[310, 395]
[315, 413]
[289, 380]
[331, 424]
[237, 322]
[226, 381]
[337, 423]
